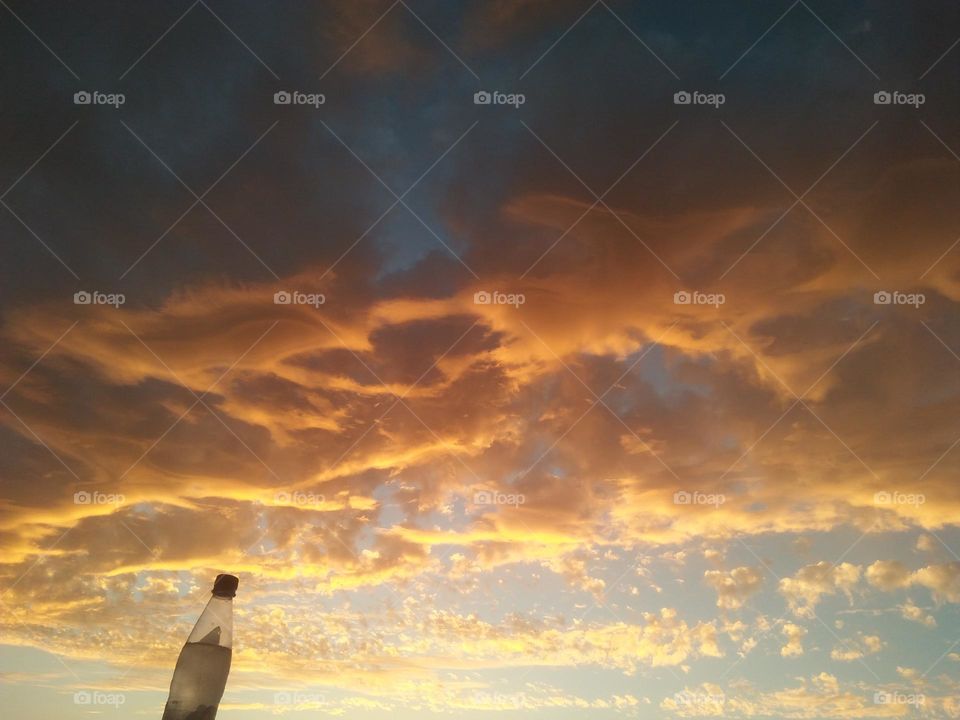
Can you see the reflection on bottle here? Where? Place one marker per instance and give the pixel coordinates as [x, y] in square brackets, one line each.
[204, 662]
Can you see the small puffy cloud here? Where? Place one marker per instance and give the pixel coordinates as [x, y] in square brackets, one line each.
[804, 590]
[872, 643]
[926, 543]
[677, 557]
[794, 635]
[888, 575]
[734, 588]
[706, 700]
[159, 587]
[857, 648]
[826, 682]
[713, 556]
[574, 570]
[908, 673]
[943, 580]
[705, 636]
[911, 612]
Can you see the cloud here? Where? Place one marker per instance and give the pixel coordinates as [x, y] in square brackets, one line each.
[705, 700]
[908, 673]
[794, 635]
[290, 642]
[911, 612]
[857, 648]
[500, 21]
[817, 696]
[805, 589]
[331, 455]
[574, 570]
[390, 410]
[888, 574]
[387, 50]
[734, 588]
[942, 580]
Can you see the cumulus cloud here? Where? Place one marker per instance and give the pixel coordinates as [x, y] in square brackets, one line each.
[943, 580]
[911, 612]
[734, 588]
[794, 635]
[888, 574]
[855, 649]
[804, 590]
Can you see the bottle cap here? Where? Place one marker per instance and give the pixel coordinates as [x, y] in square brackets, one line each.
[226, 585]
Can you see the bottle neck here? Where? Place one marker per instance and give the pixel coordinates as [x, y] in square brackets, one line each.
[215, 624]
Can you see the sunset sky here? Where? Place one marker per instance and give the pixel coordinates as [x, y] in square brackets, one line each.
[587, 402]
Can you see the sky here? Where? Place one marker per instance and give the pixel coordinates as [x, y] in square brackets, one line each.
[523, 358]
